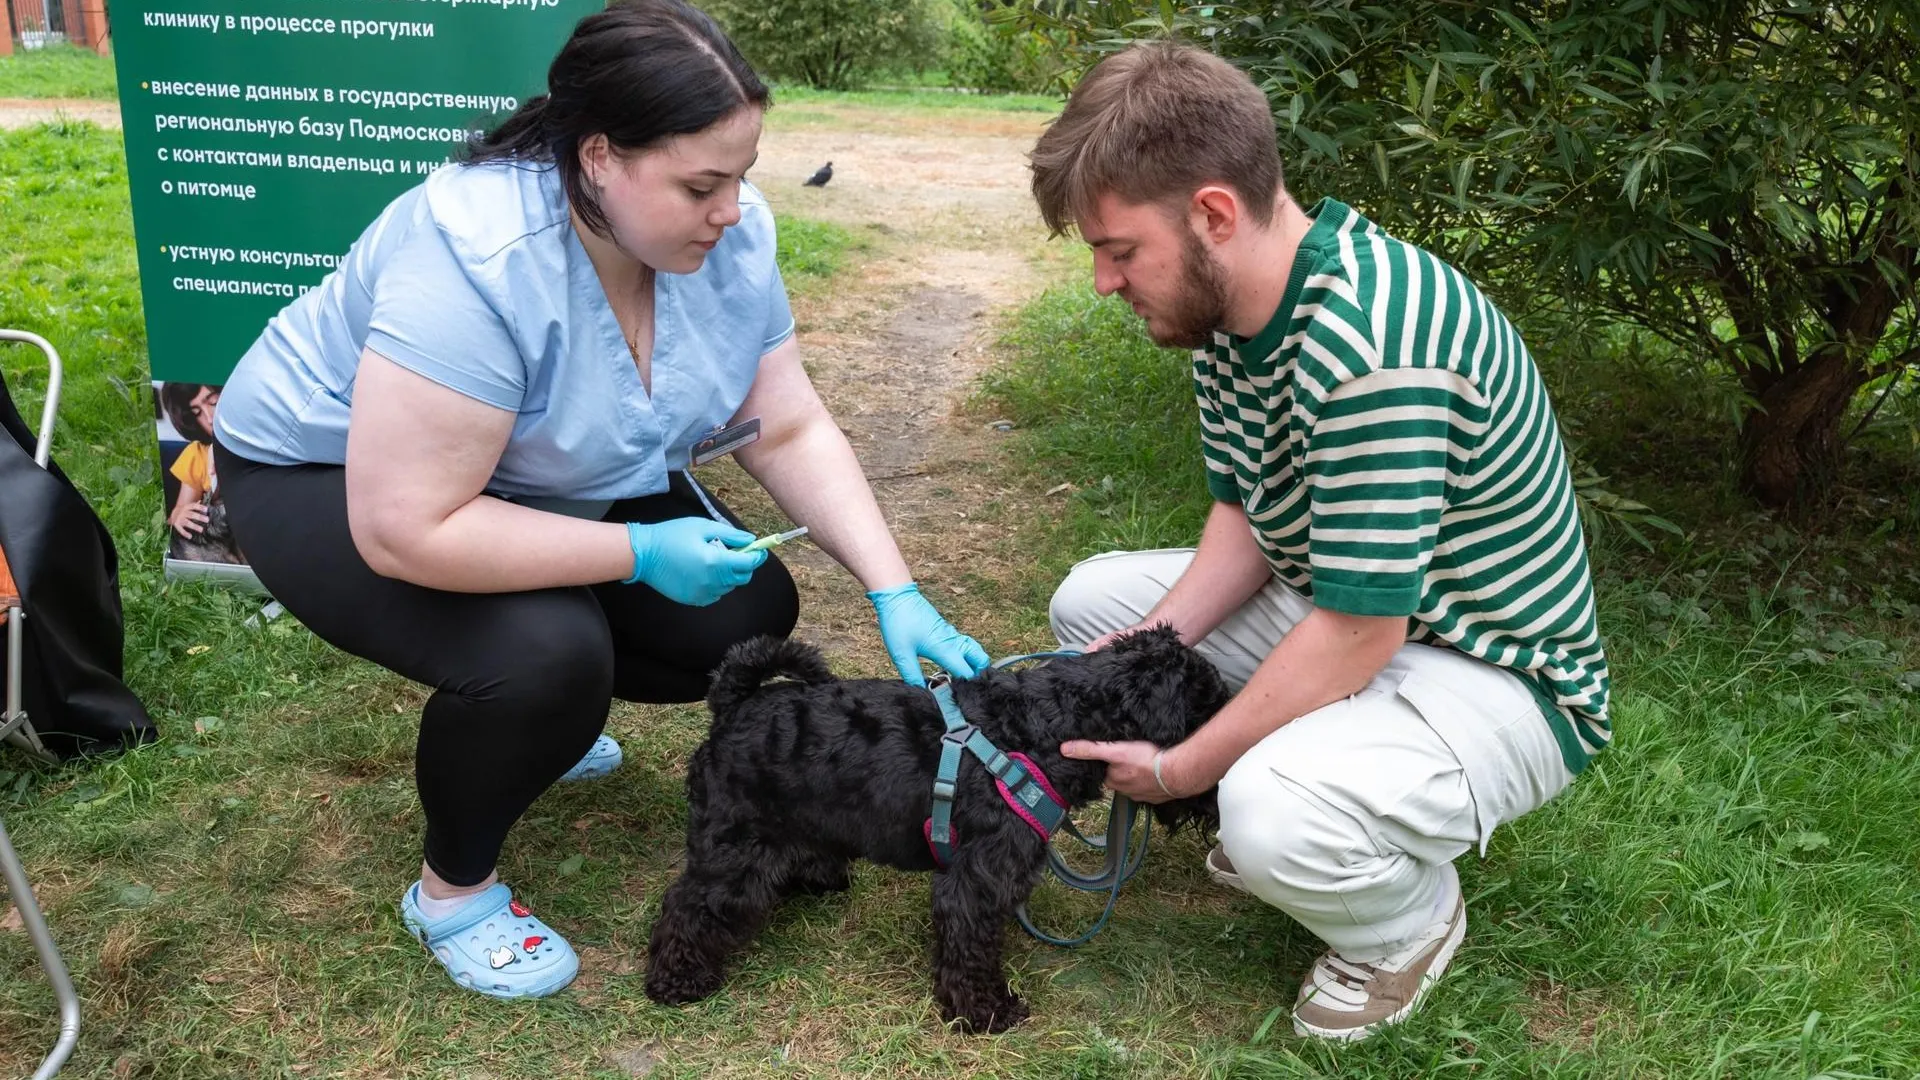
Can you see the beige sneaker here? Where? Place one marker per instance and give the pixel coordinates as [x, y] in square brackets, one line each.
[1222, 871]
[1346, 1001]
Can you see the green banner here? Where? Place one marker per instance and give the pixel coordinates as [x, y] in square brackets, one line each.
[262, 137]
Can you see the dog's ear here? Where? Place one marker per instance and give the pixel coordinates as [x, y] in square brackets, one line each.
[1133, 668]
[1164, 690]
[1207, 692]
[1162, 711]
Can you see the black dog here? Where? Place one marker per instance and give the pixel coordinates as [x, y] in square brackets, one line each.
[798, 778]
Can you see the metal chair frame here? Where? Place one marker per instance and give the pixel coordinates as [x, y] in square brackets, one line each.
[17, 729]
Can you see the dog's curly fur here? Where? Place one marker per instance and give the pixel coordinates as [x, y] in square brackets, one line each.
[798, 778]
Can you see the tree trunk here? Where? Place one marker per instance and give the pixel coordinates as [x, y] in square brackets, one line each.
[1791, 445]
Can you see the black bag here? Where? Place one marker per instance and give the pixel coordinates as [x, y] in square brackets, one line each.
[68, 575]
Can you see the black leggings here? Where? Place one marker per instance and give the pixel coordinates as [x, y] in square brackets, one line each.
[522, 681]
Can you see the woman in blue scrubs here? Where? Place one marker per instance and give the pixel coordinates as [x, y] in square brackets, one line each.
[464, 455]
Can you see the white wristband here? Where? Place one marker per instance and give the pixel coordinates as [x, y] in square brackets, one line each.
[1156, 775]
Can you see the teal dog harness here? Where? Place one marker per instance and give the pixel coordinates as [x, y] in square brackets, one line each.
[1021, 783]
[1028, 794]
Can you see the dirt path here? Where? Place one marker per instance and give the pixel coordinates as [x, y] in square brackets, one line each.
[26, 112]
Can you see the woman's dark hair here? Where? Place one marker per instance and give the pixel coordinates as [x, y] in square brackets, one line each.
[642, 72]
[176, 399]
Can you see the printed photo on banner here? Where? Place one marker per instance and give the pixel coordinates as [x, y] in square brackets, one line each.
[197, 530]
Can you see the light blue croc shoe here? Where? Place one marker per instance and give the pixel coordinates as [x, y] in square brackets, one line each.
[494, 945]
[602, 758]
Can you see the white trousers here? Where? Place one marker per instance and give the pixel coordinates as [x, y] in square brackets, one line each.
[1344, 817]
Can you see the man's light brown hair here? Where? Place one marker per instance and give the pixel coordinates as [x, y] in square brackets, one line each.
[1153, 124]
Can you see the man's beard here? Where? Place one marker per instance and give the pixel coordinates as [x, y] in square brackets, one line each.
[1199, 307]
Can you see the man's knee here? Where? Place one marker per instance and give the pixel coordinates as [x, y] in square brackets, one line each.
[1283, 838]
[1072, 604]
[1108, 592]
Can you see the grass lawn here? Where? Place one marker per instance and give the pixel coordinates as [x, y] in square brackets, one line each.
[57, 71]
[1729, 892]
[810, 252]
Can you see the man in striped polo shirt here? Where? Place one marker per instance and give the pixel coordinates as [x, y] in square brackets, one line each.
[1393, 572]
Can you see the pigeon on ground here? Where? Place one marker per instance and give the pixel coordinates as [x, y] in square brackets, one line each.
[819, 179]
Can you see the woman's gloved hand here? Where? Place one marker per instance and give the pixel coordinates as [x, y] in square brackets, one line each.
[691, 560]
[912, 629]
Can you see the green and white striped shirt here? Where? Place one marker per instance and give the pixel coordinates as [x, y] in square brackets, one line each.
[1392, 443]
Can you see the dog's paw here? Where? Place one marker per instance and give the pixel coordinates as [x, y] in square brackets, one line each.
[989, 1017]
[671, 987]
[1010, 1012]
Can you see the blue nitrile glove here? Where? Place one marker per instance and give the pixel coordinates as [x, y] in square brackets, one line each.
[912, 629]
[691, 560]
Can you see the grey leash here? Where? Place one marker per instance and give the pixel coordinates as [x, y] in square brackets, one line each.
[1121, 858]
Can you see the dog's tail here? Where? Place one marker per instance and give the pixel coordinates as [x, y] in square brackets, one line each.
[751, 663]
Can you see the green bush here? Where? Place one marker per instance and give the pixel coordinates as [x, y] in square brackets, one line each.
[999, 57]
[832, 44]
[1738, 178]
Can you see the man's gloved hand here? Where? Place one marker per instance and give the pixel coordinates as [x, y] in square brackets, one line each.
[912, 629]
[681, 561]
